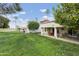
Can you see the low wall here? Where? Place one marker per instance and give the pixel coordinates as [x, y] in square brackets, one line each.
[7, 30]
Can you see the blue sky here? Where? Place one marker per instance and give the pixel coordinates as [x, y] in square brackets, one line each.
[33, 10]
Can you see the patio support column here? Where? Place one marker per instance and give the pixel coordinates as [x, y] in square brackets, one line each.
[55, 32]
[41, 31]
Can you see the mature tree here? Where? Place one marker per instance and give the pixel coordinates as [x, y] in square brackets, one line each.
[68, 15]
[9, 8]
[4, 22]
[33, 25]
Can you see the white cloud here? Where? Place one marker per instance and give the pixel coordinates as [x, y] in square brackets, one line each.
[22, 23]
[23, 12]
[15, 15]
[48, 17]
[43, 10]
[12, 23]
[45, 17]
[11, 16]
[51, 18]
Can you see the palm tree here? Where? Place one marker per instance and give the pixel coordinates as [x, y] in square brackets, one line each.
[15, 17]
[47, 12]
[36, 19]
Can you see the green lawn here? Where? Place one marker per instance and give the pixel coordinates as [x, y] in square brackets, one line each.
[33, 45]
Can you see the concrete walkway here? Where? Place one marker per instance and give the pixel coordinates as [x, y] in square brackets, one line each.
[66, 40]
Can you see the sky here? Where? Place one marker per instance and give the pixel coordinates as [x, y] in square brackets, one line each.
[30, 11]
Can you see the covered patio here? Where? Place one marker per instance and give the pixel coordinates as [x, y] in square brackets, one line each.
[52, 29]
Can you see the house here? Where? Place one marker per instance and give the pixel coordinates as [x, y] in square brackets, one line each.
[51, 28]
[23, 28]
[47, 27]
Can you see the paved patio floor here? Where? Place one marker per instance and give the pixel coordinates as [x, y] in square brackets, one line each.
[63, 39]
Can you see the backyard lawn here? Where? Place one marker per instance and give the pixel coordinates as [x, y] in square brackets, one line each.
[17, 44]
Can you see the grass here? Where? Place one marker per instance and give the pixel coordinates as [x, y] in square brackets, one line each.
[18, 44]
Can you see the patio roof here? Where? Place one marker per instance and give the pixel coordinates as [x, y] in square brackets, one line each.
[52, 24]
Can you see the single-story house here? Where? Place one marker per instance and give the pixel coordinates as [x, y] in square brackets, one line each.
[23, 28]
[47, 27]
[51, 28]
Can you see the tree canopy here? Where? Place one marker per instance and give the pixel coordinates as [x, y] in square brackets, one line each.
[68, 15]
[9, 8]
[4, 22]
[33, 25]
